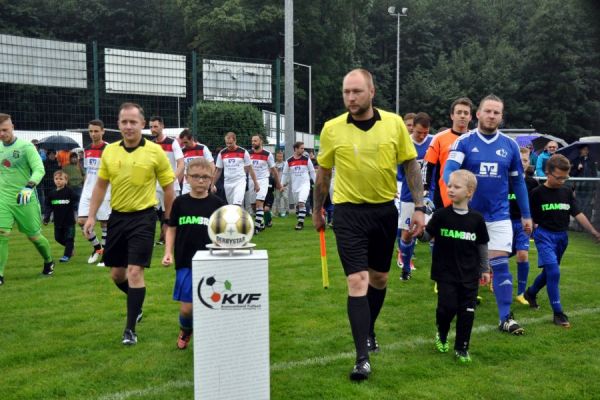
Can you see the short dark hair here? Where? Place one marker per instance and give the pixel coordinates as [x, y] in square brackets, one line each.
[422, 119]
[186, 133]
[409, 115]
[298, 144]
[557, 161]
[97, 122]
[465, 101]
[157, 118]
[127, 105]
[490, 97]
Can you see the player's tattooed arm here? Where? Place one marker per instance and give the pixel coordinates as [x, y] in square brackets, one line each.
[414, 180]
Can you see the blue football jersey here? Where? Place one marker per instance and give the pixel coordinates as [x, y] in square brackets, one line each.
[421, 148]
[493, 159]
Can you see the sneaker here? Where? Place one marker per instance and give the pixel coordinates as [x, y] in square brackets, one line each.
[1, 280]
[159, 243]
[100, 264]
[561, 319]
[95, 256]
[184, 339]
[531, 299]
[139, 317]
[521, 299]
[361, 371]
[478, 300]
[269, 224]
[400, 264]
[299, 226]
[440, 346]
[463, 357]
[509, 325]
[405, 276]
[64, 259]
[372, 344]
[129, 337]
[48, 268]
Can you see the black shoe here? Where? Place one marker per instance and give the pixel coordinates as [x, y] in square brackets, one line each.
[372, 344]
[561, 319]
[299, 226]
[129, 337]
[1, 280]
[139, 317]
[361, 370]
[269, 224]
[405, 276]
[531, 299]
[509, 325]
[256, 230]
[48, 268]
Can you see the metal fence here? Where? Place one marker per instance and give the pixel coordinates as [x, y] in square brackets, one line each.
[49, 85]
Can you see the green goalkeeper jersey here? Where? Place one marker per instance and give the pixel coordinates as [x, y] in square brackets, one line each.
[19, 163]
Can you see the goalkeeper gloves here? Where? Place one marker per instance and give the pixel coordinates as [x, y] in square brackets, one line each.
[24, 196]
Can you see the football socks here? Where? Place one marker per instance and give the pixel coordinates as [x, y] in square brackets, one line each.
[502, 283]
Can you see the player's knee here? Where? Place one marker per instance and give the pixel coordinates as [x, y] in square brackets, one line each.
[186, 309]
[378, 279]
[552, 272]
[522, 256]
[35, 237]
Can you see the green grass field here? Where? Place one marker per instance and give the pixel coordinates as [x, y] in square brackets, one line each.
[60, 336]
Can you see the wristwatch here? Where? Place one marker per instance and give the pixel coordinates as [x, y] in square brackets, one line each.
[421, 208]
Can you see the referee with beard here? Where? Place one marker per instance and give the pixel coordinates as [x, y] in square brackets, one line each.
[132, 166]
[365, 145]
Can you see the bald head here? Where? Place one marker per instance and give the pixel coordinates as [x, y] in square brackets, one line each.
[358, 92]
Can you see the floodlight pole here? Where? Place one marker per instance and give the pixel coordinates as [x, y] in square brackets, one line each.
[401, 13]
[290, 134]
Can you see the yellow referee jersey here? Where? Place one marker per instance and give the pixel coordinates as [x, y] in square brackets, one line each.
[365, 162]
[133, 175]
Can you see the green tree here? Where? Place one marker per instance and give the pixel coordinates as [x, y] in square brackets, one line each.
[215, 119]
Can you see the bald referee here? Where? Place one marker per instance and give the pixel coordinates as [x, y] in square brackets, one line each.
[132, 166]
[365, 145]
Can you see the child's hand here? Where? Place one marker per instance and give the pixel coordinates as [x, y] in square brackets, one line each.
[485, 278]
[167, 260]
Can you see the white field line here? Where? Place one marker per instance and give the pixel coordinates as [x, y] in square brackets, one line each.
[283, 366]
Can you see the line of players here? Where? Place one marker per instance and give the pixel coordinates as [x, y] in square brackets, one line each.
[234, 162]
[502, 196]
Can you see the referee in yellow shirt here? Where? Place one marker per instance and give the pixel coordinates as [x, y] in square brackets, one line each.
[132, 166]
[365, 145]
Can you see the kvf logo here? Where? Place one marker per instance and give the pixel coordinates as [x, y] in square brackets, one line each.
[219, 295]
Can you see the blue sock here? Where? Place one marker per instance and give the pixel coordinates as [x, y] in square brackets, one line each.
[538, 283]
[552, 280]
[186, 324]
[407, 250]
[502, 285]
[522, 274]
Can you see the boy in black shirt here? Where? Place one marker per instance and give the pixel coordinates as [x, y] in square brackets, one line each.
[61, 201]
[551, 205]
[459, 261]
[188, 233]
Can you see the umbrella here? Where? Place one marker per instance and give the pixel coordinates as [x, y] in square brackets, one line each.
[525, 140]
[540, 142]
[58, 142]
[572, 151]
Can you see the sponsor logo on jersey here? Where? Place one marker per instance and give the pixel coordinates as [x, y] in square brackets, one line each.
[16, 154]
[193, 220]
[556, 206]
[454, 234]
[488, 169]
[59, 202]
[502, 153]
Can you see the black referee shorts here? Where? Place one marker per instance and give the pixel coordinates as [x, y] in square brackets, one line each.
[365, 235]
[130, 238]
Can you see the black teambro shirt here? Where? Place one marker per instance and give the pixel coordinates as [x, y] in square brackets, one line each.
[62, 203]
[455, 255]
[190, 217]
[550, 208]
[515, 212]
